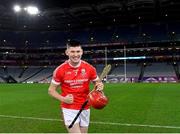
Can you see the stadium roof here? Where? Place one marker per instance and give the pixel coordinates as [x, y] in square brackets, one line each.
[77, 14]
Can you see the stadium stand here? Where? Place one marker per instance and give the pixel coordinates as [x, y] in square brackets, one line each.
[133, 70]
[159, 69]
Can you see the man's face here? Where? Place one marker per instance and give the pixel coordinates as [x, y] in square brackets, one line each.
[74, 54]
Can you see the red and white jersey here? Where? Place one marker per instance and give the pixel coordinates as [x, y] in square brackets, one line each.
[75, 81]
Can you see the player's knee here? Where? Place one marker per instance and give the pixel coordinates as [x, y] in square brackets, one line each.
[74, 129]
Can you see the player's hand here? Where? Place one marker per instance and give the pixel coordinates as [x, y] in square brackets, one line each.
[68, 99]
[99, 86]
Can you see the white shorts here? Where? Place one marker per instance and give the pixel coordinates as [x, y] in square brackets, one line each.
[69, 115]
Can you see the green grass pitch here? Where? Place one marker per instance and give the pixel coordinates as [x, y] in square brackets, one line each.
[132, 108]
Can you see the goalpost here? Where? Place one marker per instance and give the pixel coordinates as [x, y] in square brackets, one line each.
[125, 70]
[124, 75]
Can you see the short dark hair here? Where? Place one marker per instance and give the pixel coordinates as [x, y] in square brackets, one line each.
[73, 43]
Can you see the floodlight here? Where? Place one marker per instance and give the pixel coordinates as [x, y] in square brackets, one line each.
[32, 10]
[17, 8]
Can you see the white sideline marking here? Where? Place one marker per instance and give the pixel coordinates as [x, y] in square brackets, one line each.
[93, 122]
[30, 118]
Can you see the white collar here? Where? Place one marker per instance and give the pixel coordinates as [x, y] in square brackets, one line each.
[74, 66]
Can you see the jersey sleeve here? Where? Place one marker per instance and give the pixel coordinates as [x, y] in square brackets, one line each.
[56, 79]
[93, 75]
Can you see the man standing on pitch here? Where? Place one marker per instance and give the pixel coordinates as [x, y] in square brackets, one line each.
[74, 77]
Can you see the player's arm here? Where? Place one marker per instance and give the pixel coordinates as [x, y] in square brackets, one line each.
[53, 92]
[98, 84]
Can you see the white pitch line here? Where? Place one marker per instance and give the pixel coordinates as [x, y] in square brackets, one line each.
[136, 125]
[93, 122]
[30, 118]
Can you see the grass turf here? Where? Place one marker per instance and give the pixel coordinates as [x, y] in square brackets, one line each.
[130, 105]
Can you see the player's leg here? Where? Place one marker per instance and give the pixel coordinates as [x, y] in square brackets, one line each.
[68, 116]
[84, 121]
[75, 129]
[84, 130]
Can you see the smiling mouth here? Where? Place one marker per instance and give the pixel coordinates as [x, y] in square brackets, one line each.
[76, 58]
